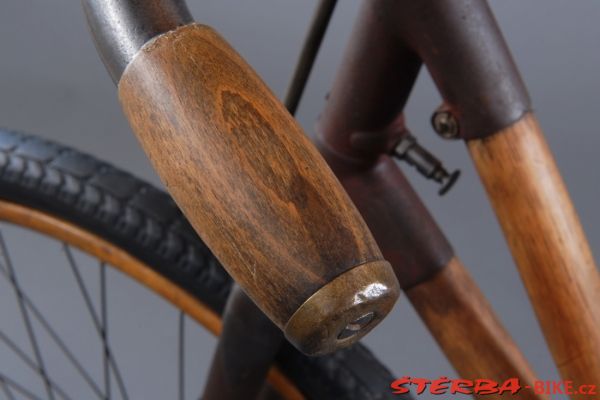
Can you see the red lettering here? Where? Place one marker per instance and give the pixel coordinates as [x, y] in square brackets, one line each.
[463, 386]
[510, 385]
[421, 384]
[439, 386]
[485, 386]
[557, 388]
[398, 385]
[587, 390]
[538, 388]
[569, 387]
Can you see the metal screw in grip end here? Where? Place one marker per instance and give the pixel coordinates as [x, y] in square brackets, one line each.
[344, 310]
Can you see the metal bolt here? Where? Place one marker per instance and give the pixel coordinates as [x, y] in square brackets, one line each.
[409, 150]
[356, 326]
[445, 124]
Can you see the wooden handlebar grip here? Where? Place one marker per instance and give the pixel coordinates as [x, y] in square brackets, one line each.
[256, 190]
[547, 242]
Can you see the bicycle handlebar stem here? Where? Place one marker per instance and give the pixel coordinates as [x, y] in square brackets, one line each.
[120, 28]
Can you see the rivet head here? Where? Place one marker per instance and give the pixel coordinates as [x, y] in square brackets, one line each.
[445, 124]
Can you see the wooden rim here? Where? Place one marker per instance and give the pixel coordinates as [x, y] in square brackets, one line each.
[134, 268]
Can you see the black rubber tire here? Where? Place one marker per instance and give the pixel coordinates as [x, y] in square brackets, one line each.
[145, 222]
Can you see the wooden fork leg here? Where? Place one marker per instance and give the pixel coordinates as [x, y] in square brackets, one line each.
[547, 243]
[442, 291]
[467, 329]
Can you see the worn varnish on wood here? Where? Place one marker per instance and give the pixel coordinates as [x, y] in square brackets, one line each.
[255, 188]
[440, 288]
[547, 243]
[468, 330]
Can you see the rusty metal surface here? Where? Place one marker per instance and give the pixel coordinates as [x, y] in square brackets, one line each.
[406, 233]
[247, 348]
[462, 46]
[463, 49]
[361, 123]
[370, 90]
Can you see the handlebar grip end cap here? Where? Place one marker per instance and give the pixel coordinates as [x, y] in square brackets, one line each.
[344, 310]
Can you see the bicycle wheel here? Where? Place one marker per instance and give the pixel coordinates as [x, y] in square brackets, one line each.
[83, 203]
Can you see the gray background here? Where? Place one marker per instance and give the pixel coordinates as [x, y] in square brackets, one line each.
[52, 83]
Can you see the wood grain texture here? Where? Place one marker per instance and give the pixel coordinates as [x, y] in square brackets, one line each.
[547, 243]
[468, 331]
[135, 269]
[243, 172]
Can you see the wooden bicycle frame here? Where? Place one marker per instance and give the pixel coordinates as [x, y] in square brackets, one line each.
[485, 104]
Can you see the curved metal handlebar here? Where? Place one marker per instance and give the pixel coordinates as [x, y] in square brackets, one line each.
[121, 27]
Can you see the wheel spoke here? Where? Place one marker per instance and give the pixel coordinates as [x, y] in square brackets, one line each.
[6, 389]
[30, 363]
[104, 322]
[55, 338]
[181, 355]
[97, 323]
[8, 267]
[17, 387]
